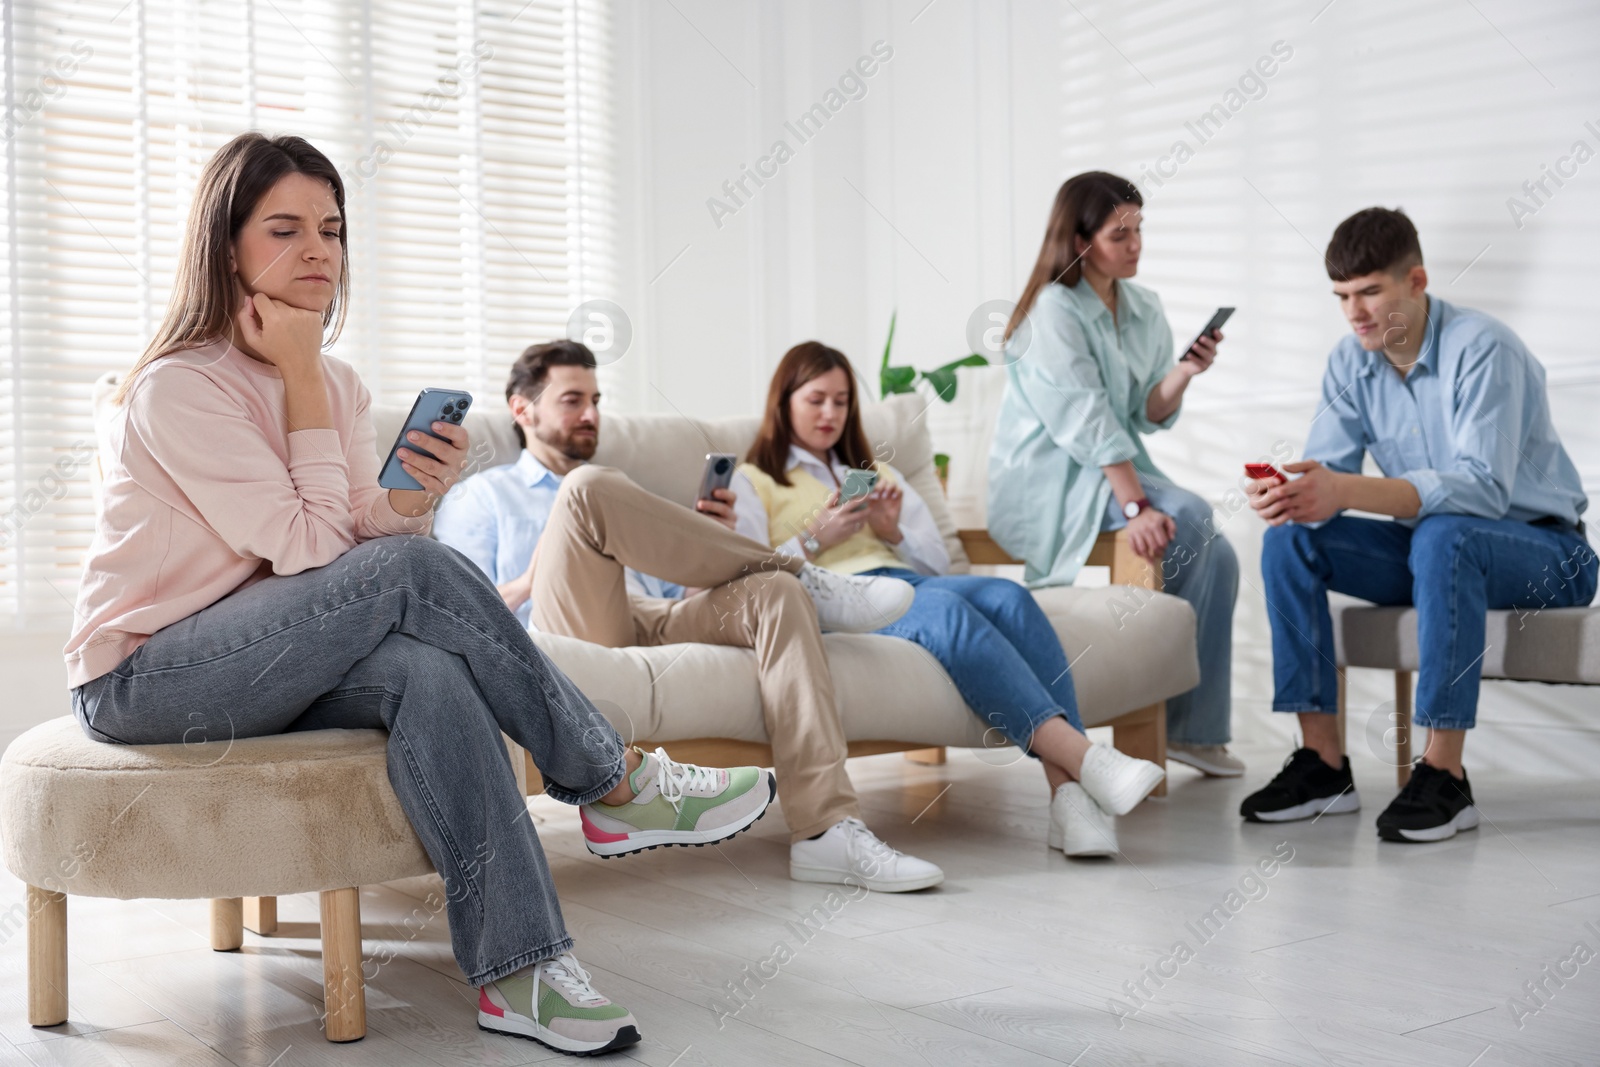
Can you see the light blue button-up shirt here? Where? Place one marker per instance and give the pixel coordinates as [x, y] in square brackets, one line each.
[1469, 426]
[1074, 402]
[495, 518]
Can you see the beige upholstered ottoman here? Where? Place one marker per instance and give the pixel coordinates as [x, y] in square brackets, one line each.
[223, 819]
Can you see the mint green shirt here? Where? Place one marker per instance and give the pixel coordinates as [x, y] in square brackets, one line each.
[1074, 402]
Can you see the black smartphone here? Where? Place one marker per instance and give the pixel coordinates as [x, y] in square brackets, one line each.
[432, 405]
[1222, 316]
[718, 473]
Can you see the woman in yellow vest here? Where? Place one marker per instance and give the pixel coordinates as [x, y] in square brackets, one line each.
[988, 633]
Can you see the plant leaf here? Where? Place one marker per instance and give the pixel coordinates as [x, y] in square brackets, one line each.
[974, 360]
[943, 381]
[898, 380]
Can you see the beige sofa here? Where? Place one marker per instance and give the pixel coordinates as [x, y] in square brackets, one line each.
[1131, 649]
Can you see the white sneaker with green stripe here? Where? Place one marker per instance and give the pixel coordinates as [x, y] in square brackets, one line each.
[678, 804]
[553, 1003]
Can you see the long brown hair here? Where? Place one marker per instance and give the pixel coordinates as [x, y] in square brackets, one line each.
[799, 365]
[1083, 203]
[203, 300]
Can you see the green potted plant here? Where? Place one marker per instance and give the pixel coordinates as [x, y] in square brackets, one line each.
[892, 380]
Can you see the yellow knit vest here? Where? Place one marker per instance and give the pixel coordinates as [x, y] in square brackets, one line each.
[791, 507]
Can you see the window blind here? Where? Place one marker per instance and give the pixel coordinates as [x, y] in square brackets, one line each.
[475, 139]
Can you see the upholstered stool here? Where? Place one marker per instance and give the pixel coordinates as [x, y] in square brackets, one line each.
[224, 820]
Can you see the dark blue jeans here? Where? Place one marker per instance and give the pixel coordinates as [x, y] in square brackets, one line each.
[406, 635]
[996, 644]
[1453, 568]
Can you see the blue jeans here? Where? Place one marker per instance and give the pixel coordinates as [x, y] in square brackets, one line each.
[1200, 567]
[1453, 568]
[994, 642]
[406, 635]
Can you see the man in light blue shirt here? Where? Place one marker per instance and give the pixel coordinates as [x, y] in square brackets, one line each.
[495, 518]
[1487, 513]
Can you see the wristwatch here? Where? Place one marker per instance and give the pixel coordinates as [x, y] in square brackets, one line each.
[810, 543]
[1133, 508]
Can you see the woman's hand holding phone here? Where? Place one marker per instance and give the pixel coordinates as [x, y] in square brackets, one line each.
[883, 513]
[448, 443]
[1150, 531]
[1201, 354]
[836, 522]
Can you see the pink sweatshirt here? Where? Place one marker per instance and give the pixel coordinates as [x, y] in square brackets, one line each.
[205, 493]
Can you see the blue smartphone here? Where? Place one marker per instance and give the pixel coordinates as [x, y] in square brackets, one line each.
[433, 405]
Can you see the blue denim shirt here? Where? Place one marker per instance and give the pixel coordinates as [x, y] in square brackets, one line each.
[495, 518]
[1469, 426]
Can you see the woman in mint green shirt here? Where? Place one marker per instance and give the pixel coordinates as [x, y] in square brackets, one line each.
[1090, 370]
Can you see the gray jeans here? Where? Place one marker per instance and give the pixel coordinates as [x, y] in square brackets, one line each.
[402, 634]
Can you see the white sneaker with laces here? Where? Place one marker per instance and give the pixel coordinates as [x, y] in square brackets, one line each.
[1117, 781]
[854, 604]
[1212, 760]
[553, 1003]
[850, 854]
[1079, 826]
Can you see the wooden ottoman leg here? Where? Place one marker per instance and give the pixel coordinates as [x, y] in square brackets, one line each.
[931, 757]
[227, 924]
[344, 993]
[1402, 726]
[47, 957]
[261, 915]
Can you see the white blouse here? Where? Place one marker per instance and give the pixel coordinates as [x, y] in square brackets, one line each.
[921, 546]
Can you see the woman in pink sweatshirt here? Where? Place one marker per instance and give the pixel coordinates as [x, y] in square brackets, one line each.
[248, 576]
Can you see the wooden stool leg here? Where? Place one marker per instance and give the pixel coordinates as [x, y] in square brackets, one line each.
[1402, 726]
[261, 915]
[227, 924]
[47, 957]
[344, 992]
[931, 757]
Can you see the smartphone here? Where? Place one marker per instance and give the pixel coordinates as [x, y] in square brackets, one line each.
[718, 473]
[858, 482]
[1264, 472]
[432, 405]
[1222, 316]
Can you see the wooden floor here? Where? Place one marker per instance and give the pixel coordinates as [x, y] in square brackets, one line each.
[1353, 952]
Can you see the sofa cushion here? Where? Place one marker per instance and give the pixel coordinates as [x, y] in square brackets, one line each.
[1549, 645]
[889, 689]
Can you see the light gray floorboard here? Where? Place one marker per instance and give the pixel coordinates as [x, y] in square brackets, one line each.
[1353, 952]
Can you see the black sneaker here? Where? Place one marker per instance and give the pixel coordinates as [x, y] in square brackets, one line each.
[1433, 806]
[1305, 788]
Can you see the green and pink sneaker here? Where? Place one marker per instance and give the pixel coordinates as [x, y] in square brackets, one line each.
[553, 1003]
[678, 804]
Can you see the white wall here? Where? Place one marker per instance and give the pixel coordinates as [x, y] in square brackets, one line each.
[929, 196]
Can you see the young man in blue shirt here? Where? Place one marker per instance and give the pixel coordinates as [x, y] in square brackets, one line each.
[1486, 510]
[595, 531]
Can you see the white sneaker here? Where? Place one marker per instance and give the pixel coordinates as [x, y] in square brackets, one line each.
[1213, 760]
[1117, 781]
[1079, 826]
[850, 854]
[852, 604]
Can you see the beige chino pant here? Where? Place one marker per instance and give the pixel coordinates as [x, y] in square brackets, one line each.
[602, 522]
